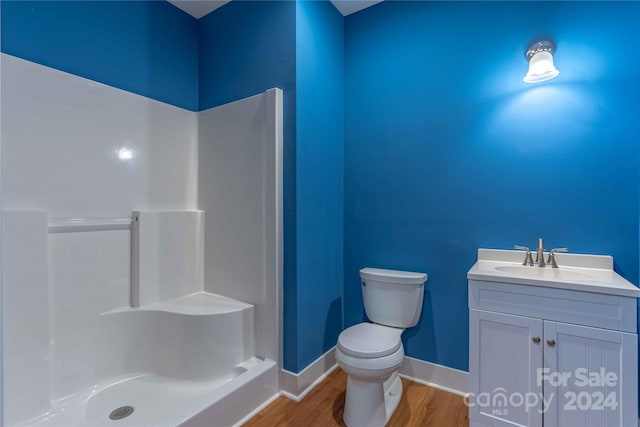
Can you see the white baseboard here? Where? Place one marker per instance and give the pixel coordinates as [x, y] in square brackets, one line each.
[434, 375]
[297, 386]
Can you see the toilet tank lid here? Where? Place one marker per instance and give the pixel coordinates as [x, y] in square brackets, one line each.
[393, 276]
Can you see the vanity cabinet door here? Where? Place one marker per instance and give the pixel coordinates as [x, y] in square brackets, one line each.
[590, 376]
[505, 352]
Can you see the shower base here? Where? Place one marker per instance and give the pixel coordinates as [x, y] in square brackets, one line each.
[161, 401]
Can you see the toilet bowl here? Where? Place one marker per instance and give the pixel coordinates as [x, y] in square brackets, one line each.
[371, 353]
[369, 365]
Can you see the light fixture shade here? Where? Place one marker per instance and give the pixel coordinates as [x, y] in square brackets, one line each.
[541, 66]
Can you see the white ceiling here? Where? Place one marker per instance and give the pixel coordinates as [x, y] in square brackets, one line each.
[347, 7]
[200, 8]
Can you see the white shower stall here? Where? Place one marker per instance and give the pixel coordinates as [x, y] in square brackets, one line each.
[141, 254]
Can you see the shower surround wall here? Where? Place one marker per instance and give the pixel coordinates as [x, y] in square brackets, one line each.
[239, 189]
[63, 135]
[60, 151]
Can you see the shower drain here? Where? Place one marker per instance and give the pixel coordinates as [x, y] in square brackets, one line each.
[121, 412]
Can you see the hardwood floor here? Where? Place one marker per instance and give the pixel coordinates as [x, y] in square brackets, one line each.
[420, 406]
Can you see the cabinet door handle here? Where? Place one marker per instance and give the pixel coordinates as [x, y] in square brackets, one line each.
[536, 340]
[551, 343]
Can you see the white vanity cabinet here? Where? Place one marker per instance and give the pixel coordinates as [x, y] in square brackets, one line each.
[542, 356]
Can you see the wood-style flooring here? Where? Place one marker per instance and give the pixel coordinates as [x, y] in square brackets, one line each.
[420, 406]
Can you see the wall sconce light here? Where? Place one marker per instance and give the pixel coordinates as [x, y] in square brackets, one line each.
[540, 57]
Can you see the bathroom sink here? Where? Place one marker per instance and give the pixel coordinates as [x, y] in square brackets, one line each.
[544, 273]
[579, 272]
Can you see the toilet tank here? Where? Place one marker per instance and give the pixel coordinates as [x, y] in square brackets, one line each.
[391, 297]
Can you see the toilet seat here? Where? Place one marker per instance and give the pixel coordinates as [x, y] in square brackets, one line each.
[369, 340]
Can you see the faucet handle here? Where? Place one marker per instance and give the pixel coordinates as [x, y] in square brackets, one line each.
[556, 250]
[552, 258]
[528, 259]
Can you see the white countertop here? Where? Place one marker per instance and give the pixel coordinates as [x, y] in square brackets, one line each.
[578, 272]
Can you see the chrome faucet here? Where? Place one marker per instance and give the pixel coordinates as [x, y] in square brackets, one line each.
[551, 260]
[540, 253]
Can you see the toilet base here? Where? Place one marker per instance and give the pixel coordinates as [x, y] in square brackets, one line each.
[371, 403]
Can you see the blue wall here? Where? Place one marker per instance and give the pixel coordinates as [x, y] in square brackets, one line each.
[401, 148]
[447, 150]
[319, 178]
[247, 47]
[145, 47]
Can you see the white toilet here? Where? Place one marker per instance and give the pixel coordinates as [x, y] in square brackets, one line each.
[371, 353]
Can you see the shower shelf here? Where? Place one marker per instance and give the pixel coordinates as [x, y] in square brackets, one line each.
[197, 304]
